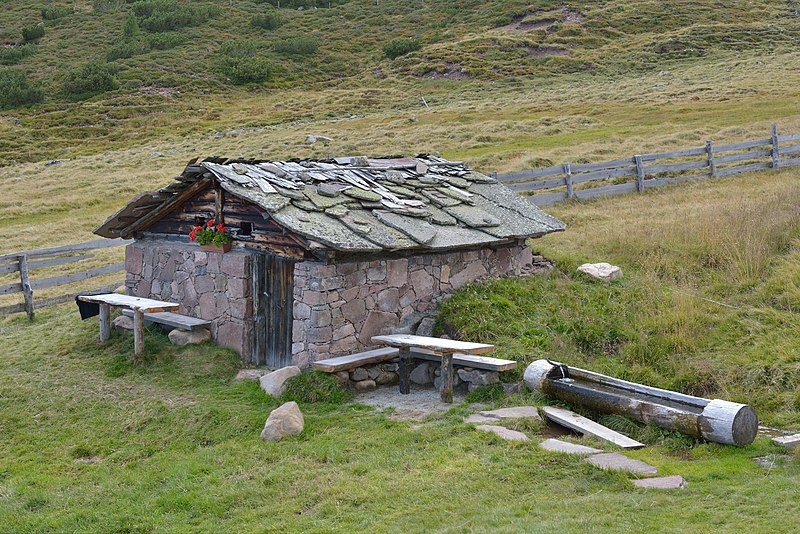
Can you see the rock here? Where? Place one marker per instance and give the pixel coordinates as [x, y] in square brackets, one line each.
[342, 378]
[477, 378]
[53, 162]
[286, 420]
[425, 327]
[513, 389]
[619, 462]
[556, 445]
[422, 374]
[387, 378]
[365, 385]
[358, 374]
[274, 383]
[314, 138]
[250, 374]
[673, 482]
[503, 432]
[373, 373]
[477, 418]
[515, 412]
[601, 271]
[790, 442]
[189, 337]
[122, 290]
[123, 322]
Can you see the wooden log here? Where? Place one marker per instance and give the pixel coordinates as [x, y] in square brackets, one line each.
[753, 154]
[219, 202]
[405, 370]
[714, 420]
[775, 161]
[446, 393]
[712, 165]
[639, 173]
[674, 154]
[105, 322]
[603, 175]
[27, 290]
[138, 332]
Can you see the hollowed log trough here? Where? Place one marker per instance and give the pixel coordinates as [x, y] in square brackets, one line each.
[720, 421]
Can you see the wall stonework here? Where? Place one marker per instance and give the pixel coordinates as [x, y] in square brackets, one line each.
[339, 307]
[208, 285]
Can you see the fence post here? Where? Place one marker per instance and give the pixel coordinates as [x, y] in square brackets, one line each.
[27, 291]
[568, 180]
[712, 166]
[775, 162]
[639, 173]
[493, 174]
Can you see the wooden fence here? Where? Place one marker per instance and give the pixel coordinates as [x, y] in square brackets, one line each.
[30, 260]
[645, 171]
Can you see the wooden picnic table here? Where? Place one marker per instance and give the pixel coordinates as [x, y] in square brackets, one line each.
[139, 305]
[444, 348]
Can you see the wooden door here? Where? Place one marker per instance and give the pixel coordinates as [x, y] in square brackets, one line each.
[273, 296]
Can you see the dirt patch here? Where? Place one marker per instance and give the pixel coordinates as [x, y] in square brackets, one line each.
[546, 51]
[572, 16]
[522, 25]
[419, 403]
[453, 71]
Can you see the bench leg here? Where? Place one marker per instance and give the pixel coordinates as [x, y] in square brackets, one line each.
[105, 322]
[447, 378]
[138, 332]
[405, 370]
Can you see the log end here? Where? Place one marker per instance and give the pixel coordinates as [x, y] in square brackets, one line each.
[536, 373]
[730, 423]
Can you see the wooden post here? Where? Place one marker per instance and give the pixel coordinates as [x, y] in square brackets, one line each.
[138, 332]
[219, 200]
[712, 166]
[447, 378]
[27, 291]
[105, 322]
[775, 162]
[405, 370]
[568, 180]
[639, 173]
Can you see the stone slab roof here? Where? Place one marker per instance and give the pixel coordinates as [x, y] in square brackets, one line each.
[359, 204]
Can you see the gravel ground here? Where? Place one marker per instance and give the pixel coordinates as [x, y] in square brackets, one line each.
[420, 402]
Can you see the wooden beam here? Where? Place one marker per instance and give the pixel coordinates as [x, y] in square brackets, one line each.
[580, 424]
[166, 208]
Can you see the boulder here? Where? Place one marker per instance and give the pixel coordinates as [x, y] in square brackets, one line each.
[359, 374]
[342, 378]
[476, 378]
[123, 322]
[250, 374]
[364, 385]
[274, 383]
[601, 271]
[425, 327]
[189, 337]
[387, 378]
[422, 374]
[286, 420]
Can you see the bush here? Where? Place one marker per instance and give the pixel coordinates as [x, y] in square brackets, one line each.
[271, 20]
[164, 41]
[32, 33]
[101, 6]
[300, 46]
[315, 387]
[131, 28]
[56, 12]
[401, 47]
[126, 49]
[167, 15]
[240, 63]
[15, 54]
[16, 90]
[93, 78]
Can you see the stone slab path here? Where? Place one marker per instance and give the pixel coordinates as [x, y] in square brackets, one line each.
[619, 462]
[556, 445]
[673, 482]
[503, 432]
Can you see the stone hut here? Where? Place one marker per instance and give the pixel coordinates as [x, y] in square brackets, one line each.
[325, 254]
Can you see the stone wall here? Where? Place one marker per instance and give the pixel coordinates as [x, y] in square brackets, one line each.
[211, 286]
[339, 307]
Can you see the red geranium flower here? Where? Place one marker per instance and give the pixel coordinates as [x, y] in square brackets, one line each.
[221, 228]
[197, 229]
[210, 223]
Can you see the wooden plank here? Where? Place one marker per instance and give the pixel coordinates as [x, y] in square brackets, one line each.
[568, 180]
[54, 251]
[659, 182]
[603, 175]
[10, 288]
[13, 308]
[345, 363]
[788, 137]
[12, 268]
[710, 158]
[469, 360]
[676, 167]
[755, 154]
[674, 154]
[608, 190]
[639, 173]
[548, 198]
[540, 184]
[52, 301]
[744, 145]
[434, 344]
[586, 167]
[167, 207]
[790, 162]
[75, 277]
[530, 174]
[743, 168]
[775, 151]
[134, 303]
[793, 149]
[25, 282]
[175, 320]
[583, 425]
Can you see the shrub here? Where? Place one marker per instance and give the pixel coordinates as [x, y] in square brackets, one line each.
[15, 54]
[131, 28]
[272, 20]
[300, 46]
[93, 78]
[166, 15]
[101, 6]
[401, 47]
[16, 90]
[32, 33]
[163, 41]
[240, 63]
[55, 12]
[315, 387]
[126, 49]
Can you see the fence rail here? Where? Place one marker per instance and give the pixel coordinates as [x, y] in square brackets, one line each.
[641, 172]
[52, 257]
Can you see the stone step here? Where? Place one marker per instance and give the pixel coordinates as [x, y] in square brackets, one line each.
[503, 432]
[619, 462]
[556, 445]
[673, 482]
[514, 412]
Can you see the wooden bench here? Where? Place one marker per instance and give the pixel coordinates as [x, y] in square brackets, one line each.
[469, 360]
[175, 320]
[345, 363]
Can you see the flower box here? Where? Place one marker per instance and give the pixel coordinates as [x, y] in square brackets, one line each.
[215, 248]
